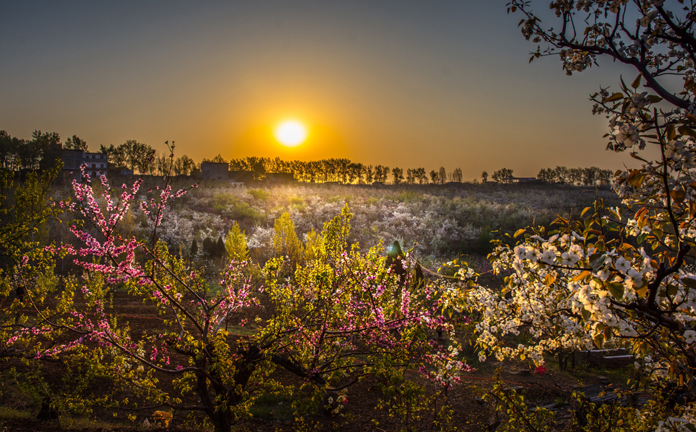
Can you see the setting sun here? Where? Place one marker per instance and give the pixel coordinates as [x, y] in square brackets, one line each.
[291, 133]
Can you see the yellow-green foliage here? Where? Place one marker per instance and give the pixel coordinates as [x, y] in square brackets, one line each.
[285, 240]
[222, 201]
[313, 242]
[336, 232]
[259, 194]
[236, 244]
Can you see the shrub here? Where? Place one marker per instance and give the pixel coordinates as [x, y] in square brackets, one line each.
[259, 194]
[285, 240]
[236, 245]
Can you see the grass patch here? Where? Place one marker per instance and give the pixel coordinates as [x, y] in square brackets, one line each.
[71, 423]
[273, 407]
[242, 331]
[7, 413]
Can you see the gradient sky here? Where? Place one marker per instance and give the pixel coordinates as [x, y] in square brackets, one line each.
[400, 83]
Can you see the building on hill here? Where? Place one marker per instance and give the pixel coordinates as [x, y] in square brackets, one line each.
[73, 160]
[215, 170]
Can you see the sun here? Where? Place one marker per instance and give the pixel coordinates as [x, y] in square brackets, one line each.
[290, 133]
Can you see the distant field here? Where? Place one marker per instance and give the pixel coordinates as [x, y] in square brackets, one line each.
[439, 222]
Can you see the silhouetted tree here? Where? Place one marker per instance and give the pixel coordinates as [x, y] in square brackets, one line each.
[194, 248]
[398, 175]
[209, 247]
[421, 176]
[75, 143]
[216, 159]
[221, 251]
[433, 177]
[503, 175]
[132, 154]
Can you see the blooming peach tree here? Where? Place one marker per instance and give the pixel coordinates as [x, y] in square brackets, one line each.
[212, 346]
[624, 276]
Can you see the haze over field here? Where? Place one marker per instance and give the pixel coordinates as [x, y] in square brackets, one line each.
[400, 83]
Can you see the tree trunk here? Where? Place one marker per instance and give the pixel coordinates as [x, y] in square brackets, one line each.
[222, 420]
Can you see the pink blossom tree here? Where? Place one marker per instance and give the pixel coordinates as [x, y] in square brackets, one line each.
[341, 316]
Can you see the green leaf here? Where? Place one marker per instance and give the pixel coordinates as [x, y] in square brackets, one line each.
[519, 232]
[581, 276]
[616, 289]
[598, 263]
[636, 82]
[691, 283]
[616, 213]
[687, 131]
[612, 226]
[614, 97]
[599, 341]
[585, 210]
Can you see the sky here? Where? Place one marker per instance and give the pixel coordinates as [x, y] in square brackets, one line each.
[399, 83]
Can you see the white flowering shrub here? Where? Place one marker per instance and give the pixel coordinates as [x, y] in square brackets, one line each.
[436, 222]
[623, 276]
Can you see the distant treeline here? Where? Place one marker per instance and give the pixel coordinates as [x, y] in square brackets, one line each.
[42, 150]
[142, 158]
[39, 152]
[339, 170]
[325, 170]
[576, 176]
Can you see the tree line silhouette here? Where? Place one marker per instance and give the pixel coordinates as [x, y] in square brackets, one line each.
[41, 151]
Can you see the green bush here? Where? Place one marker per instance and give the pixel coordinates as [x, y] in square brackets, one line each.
[260, 194]
[222, 201]
[408, 196]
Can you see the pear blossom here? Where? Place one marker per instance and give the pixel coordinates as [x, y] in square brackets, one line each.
[622, 265]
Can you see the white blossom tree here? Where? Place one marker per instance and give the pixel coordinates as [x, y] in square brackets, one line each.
[618, 277]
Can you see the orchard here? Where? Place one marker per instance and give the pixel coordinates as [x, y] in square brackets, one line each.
[332, 314]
